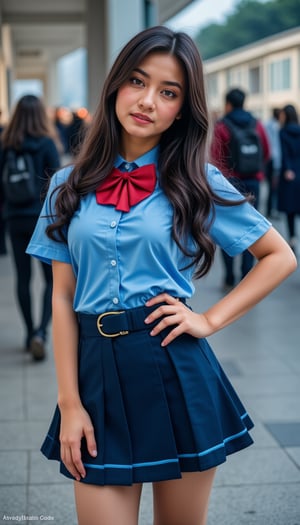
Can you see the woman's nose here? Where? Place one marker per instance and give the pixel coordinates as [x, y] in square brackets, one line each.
[147, 100]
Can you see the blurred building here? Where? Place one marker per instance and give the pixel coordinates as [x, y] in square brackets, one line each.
[35, 34]
[268, 70]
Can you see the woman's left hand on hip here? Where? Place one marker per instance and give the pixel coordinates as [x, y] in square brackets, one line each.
[175, 312]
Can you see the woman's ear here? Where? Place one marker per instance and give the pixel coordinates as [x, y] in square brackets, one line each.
[178, 117]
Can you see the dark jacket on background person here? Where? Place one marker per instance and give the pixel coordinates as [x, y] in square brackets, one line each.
[289, 190]
[221, 139]
[46, 161]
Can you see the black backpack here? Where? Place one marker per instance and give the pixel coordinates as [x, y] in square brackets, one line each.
[246, 155]
[19, 178]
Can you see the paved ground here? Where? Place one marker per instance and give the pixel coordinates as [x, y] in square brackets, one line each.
[261, 354]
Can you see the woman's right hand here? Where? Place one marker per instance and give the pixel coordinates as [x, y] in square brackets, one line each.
[76, 424]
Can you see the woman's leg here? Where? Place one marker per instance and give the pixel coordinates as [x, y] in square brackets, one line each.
[47, 300]
[291, 218]
[291, 224]
[183, 501]
[107, 505]
[19, 232]
[37, 345]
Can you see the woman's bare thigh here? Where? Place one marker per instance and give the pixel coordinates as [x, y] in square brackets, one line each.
[107, 505]
[183, 501]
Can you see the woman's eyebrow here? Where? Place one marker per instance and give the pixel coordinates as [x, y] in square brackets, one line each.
[165, 82]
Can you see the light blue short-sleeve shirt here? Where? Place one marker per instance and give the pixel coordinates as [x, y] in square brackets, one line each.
[122, 259]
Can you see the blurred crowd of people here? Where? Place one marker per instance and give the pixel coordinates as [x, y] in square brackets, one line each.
[279, 140]
[70, 126]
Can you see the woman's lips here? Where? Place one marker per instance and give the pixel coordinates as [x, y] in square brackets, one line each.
[141, 118]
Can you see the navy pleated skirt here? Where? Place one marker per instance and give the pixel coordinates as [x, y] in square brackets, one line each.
[157, 411]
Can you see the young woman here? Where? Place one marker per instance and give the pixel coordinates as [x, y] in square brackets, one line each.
[141, 396]
[29, 132]
[289, 182]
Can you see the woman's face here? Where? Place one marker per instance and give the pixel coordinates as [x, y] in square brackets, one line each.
[150, 100]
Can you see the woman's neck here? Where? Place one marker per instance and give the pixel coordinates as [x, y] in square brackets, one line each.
[133, 149]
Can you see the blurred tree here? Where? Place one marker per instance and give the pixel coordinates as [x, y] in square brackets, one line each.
[251, 20]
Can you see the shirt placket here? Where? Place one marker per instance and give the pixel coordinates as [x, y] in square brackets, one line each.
[114, 279]
[112, 259]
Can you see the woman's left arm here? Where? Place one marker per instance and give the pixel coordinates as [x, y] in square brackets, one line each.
[275, 262]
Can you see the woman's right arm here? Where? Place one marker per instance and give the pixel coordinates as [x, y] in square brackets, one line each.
[75, 421]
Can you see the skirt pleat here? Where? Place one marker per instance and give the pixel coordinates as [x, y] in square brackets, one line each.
[157, 411]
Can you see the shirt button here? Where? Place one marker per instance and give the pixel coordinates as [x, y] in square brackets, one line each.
[115, 300]
[113, 262]
[113, 224]
[127, 166]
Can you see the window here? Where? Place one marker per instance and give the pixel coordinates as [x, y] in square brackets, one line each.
[212, 84]
[238, 77]
[72, 94]
[280, 75]
[229, 78]
[234, 77]
[254, 80]
[23, 86]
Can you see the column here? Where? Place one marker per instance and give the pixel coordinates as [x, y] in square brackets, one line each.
[51, 88]
[7, 64]
[110, 24]
[125, 19]
[96, 42]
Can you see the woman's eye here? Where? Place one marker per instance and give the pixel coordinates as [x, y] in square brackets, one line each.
[168, 93]
[136, 81]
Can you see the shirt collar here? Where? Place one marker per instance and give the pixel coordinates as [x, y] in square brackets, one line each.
[151, 157]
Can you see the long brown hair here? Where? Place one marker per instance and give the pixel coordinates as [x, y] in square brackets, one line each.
[29, 118]
[182, 147]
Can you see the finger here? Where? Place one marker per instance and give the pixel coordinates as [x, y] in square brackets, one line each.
[76, 458]
[159, 312]
[66, 458]
[165, 310]
[91, 441]
[172, 335]
[166, 322]
[162, 298]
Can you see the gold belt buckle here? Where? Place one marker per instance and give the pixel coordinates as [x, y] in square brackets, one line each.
[99, 325]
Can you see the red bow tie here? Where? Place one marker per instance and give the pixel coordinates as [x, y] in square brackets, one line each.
[125, 189]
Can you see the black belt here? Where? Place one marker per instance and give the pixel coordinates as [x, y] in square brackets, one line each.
[116, 323]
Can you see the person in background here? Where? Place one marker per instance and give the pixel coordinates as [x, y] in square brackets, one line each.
[289, 183]
[3, 247]
[221, 156]
[71, 127]
[1, 123]
[272, 168]
[77, 130]
[30, 130]
[141, 395]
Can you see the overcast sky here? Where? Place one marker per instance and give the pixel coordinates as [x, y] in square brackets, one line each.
[200, 13]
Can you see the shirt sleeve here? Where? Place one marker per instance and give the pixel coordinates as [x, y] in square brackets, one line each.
[40, 245]
[234, 228]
